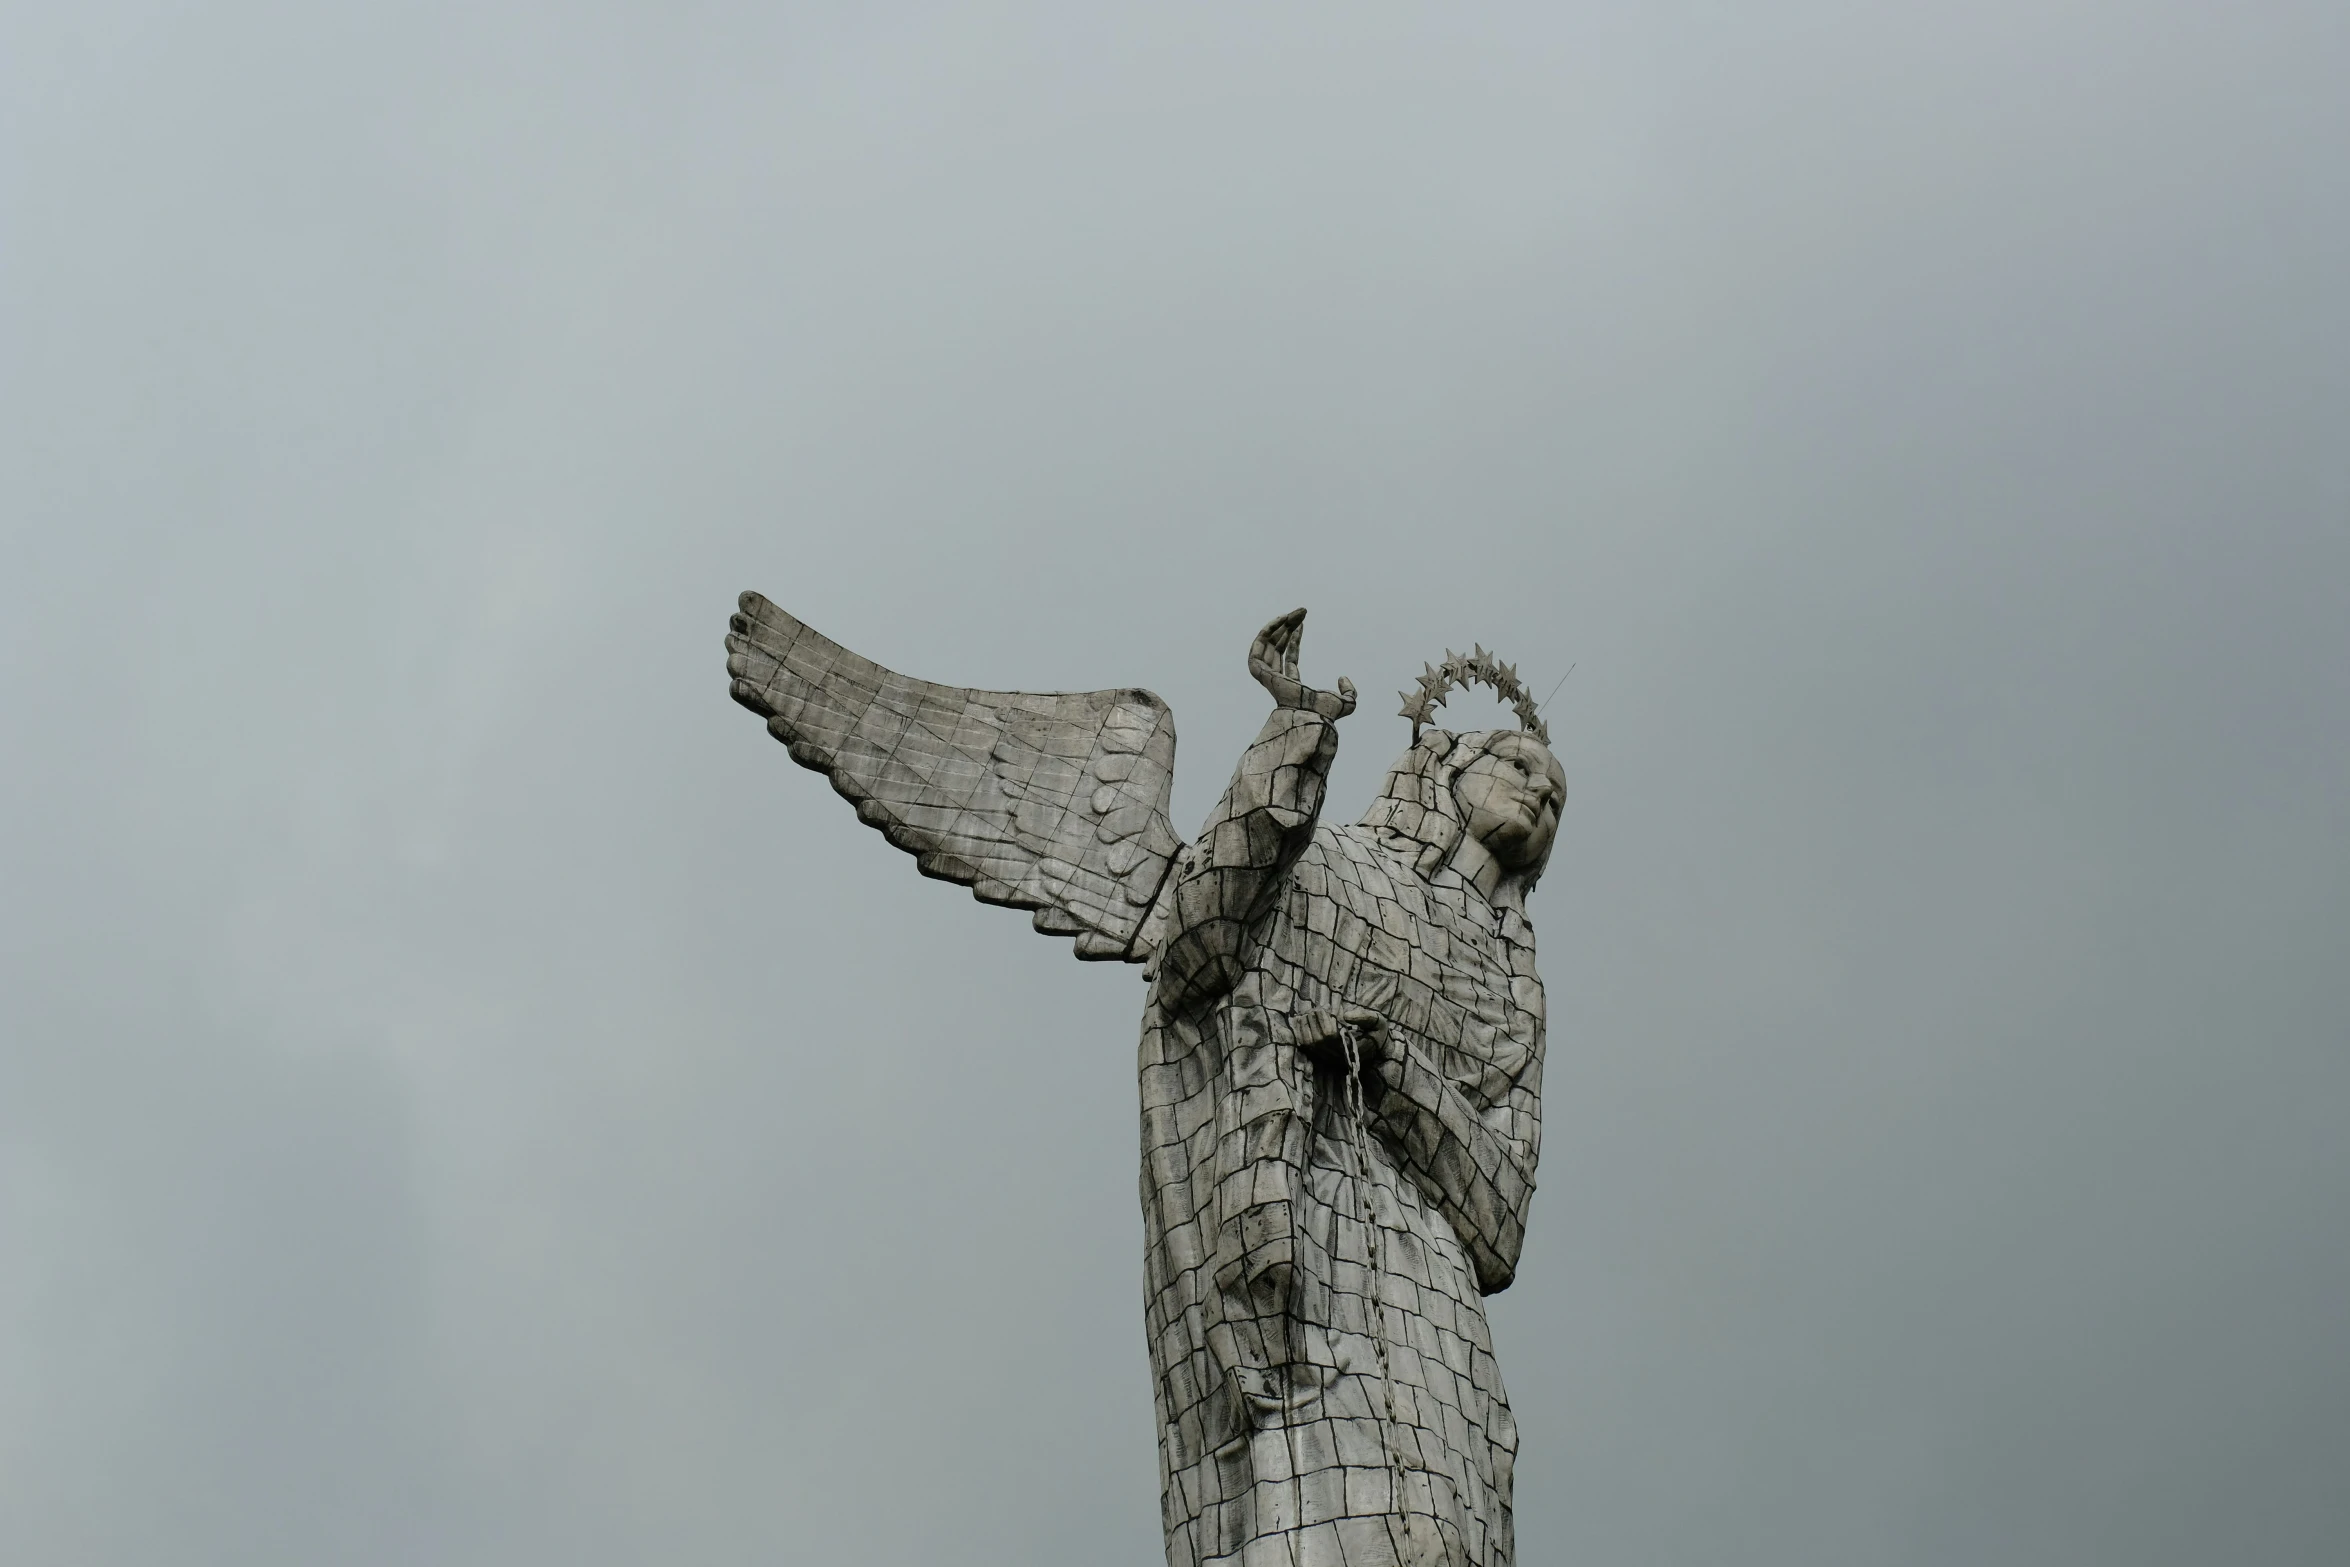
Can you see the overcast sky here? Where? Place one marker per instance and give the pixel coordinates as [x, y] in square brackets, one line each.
[467, 1098]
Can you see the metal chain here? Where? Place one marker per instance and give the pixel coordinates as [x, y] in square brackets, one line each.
[1357, 1141]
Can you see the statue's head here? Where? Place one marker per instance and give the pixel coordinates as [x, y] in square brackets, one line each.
[1509, 794]
[1490, 797]
[1498, 790]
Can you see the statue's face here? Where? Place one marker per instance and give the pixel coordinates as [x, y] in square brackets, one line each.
[1511, 797]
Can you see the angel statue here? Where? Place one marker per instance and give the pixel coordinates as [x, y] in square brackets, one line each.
[1341, 1059]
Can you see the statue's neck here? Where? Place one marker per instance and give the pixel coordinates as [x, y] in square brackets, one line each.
[1477, 866]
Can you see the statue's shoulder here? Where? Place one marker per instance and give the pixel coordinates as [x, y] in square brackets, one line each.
[1350, 862]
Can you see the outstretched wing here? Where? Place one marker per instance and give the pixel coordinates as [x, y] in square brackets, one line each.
[1053, 801]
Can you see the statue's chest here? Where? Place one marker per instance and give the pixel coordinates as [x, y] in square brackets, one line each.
[1432, 956]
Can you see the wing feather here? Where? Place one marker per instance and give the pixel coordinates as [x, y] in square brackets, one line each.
[1055, 802]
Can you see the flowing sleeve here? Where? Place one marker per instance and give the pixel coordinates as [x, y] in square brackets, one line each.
[1477, 1168]
[1469, 1136]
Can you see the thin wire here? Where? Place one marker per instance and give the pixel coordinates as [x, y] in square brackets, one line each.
[1554, 690]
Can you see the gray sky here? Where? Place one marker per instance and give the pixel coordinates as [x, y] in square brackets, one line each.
[466, 1098]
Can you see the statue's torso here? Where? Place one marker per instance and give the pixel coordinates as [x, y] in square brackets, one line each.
[1271, 1356]
[1358, 927]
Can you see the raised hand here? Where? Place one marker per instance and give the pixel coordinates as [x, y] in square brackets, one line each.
[1272, 662]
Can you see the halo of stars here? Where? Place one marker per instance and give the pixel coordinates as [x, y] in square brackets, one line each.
[1438, 681]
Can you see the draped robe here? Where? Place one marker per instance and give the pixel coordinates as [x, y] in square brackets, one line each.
[1316, 1269]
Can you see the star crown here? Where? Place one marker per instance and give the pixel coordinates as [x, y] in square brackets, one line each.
[1437, 681]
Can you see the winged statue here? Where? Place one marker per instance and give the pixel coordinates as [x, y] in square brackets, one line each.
[1340, 1063]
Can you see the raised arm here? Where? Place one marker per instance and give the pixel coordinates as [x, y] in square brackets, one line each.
[1230, 876]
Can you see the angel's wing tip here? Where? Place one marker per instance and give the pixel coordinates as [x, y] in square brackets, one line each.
[752, 697]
